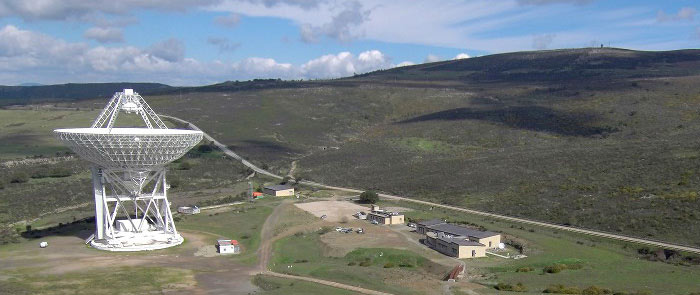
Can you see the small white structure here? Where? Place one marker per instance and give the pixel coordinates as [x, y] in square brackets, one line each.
[43, 245]
[360, 215]
[188, 210]
[228, 247]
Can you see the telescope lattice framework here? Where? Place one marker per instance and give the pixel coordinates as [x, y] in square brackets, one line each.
[132, 212]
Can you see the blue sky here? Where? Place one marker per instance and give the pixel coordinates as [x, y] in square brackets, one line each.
[195, 42]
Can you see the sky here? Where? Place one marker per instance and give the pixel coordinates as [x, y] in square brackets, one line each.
[198, 42]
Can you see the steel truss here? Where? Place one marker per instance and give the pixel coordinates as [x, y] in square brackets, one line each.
[117, 193]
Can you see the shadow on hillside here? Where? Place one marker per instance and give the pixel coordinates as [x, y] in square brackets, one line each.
[534, 118]
[261, 146]
[82, 228]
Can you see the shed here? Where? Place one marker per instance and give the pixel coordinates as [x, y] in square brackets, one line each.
[228, 247]
[280, 190]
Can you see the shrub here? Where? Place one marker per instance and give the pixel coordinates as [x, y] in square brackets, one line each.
[301, 261]
[519, 287]
[19, 177]
[389, 265]
[366, 263]
[555, 268]
[595, 290]
[265, 284]
[351, 263]
[369, 197]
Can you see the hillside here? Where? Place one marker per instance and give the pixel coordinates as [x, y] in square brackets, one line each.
[72, 91]
[599, 138]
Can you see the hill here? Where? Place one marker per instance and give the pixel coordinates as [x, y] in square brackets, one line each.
[72, 91]
[598, 138]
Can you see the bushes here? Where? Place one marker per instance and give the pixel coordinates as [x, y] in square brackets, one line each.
[19, 177]
[265, 283]
[519, 287]
[558, 267]
[389, 265]
[595, 290]
[525, 269]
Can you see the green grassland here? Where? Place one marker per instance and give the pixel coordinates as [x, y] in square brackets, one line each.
[373, 268]
[132, 280]
[273, 285]
[241, 222]
[604, 263]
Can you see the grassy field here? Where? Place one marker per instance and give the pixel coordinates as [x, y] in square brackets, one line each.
[132, 280]
[604, 263]
[241, 222]
[273, 285]
[375, 268]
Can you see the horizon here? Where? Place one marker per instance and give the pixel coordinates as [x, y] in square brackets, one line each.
[191, 42]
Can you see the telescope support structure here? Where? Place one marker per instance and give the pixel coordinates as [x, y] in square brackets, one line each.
[146, 221]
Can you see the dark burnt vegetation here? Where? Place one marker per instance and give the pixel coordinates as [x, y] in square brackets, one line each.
[535, 118]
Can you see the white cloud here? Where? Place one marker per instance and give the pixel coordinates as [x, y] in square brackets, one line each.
[462, 56]
[432, 58]
[405, 64]
[30, 56]
[257, 67]
[345, 64]
[104, 35]
[229, 21]
[685, 13]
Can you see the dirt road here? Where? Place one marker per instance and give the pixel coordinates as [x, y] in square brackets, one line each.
[662, 244]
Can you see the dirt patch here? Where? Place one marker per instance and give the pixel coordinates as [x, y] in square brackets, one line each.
[334, 210]
[338, 244]
[206, 251]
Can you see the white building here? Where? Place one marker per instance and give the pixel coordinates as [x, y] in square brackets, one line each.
[228, 247]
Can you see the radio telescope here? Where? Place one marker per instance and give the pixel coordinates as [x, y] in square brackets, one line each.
[132, 212]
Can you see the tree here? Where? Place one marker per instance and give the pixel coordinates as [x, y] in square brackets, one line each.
[369, 197]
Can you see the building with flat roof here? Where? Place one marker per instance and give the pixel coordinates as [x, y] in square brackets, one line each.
[457, 241]
[458, 247]
[389, 218]
[279, 190]
[384, 217]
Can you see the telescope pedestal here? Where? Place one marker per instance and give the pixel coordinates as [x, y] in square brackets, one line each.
[145, 222]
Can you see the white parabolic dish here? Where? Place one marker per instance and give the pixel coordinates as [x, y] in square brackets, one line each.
[129, 148]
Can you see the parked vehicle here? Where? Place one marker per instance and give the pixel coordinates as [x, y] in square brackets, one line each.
[375, 222]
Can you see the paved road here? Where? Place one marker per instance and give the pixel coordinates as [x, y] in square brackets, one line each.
[613, 236]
